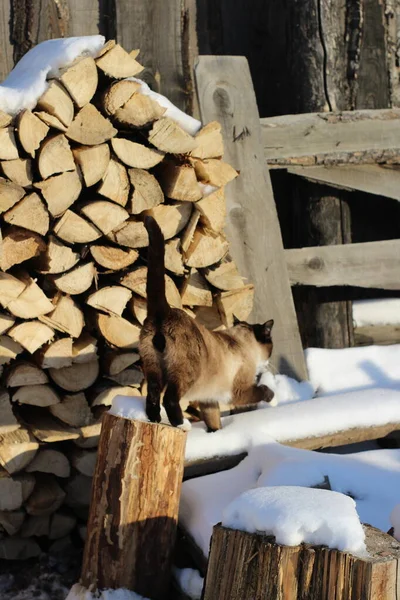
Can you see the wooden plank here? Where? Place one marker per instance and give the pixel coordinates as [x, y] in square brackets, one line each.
[6, 54]
[226, 94]
[359, 137]
[368, 265]
[165, 34]
[374, 179]
[85, 17]
[377, 334]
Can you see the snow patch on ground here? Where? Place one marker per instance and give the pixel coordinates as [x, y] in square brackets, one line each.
[295, 515]
[134, 407]
[287, 389]
[380, 311]
[78, 592]
[371, 478]
[27, 81]
[190, 581]
[350, 369]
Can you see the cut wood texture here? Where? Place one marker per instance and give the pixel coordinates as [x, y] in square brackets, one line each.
[55, 156]
[209, 142]
[147, 192]
[77, 377]
[8, 147]
[136, 281]
[179, 182]
[10, 194]
[19, 171]
[115, 183]
[17, 449]
[357, 137]
[31, 303]
[236, 303]
[6, 321]
[195, 291]
[114, 259]
[14, 490]
[168, 136]
[256, 232]
[136, 155]
[224, 276]
[84, 349]
[111, 300]
[30, 213]
[105, 215]
[80, 80]
[93, 162]
[73, 229]
[295, 572]
[90, 127]
[31, 132]
[212, 209]
[131, 234]
[32, 335]
[66, 316]
[118, 331]
[73, 410]
[60, 191]
[76, 281]
[24, 373]
[10, 288]
[46, 497]
[118, 94]
[56, 355]
[57, 258]
[172, 218]
[50, 461]
[118, 63]
[36, 395]
[139, 111]
[9, 349]
[370, 264]
[8, 422]
[57, 102]
[206, 248]
[19, 245]
[156, 463]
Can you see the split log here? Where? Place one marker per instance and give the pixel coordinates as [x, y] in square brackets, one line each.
[195, 291]
[19, 171]
[114, 259]
[8, 147]
[116, 362]
[76, 281]
[115, 183]
[19, 245]
[236, 303]
[154, 464]
[84, 461]
[139, 111]
[106, 396]
[66, 317]
[111, 300]
[11, 521]
[93, 162]
[15, 548]
[56, 355]
[131, 234]
[295, 572]
[84, 349]
[173, 257]
[10, 194]
[57, 258]
[210, 317]
[50, 120]
[78, 489]
[8, 422]
[172, 218]
[35, 526]
[138, 308]
[118, 94]
[50, 461]
[90, 128]
[224, 276]
[9, 349]
[73, 410]
[136, 281]
[168, 136]
[118, 331]
[89, 435]
[73, 229]
[57, 102]
[25, 373]
[136, 155]
[31, 303]
[188, 233]
[207, 248]
[118, 63]
[45, 428]
[77, 377]
[179, 182]
[30, 213]
[209, 142]
[129, 377]
[31, 132]
[46, 497]
[55, 156]
[17, 450]
[36, 395]
[31, 335]
[5, 119]
[61, 524]
[10, 288]
[212, 210]
[6, 321]
[214, 172]
[80, 80]
[60, 191]
[106, 216]
[15, 490]
[147, 192]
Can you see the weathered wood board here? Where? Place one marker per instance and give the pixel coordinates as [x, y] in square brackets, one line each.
[368, 265]
[359, 137]
[373, 179]
[377, 334]
[226, 94]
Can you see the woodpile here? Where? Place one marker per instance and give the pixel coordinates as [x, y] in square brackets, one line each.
[79, 173]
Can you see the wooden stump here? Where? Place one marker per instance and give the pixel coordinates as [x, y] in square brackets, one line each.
[134, 507]
[244, 566]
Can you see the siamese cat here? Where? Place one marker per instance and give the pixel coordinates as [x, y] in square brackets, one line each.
[192, 363]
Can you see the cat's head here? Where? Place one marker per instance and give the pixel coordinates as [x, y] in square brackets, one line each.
[262, 335]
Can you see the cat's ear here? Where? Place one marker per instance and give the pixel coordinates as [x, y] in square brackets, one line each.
[236, 321]
[267, 328]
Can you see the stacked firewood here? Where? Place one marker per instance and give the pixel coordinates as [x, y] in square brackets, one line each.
[79, 173]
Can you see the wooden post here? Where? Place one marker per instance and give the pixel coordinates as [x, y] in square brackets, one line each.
[244, 566]
[134, 508]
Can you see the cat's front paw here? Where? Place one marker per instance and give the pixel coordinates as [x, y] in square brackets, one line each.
[153, 412]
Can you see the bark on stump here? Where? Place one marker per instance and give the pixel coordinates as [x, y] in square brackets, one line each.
[134, 508]
[244, 566]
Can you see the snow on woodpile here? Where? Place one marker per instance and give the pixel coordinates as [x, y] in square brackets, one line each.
[395, 521]
[295, 515]
[379, 311]
[134, 407]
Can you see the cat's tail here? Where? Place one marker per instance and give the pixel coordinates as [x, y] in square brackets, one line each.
[157, 305]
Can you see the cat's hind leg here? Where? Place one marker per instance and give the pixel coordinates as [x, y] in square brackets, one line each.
[211, 415]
